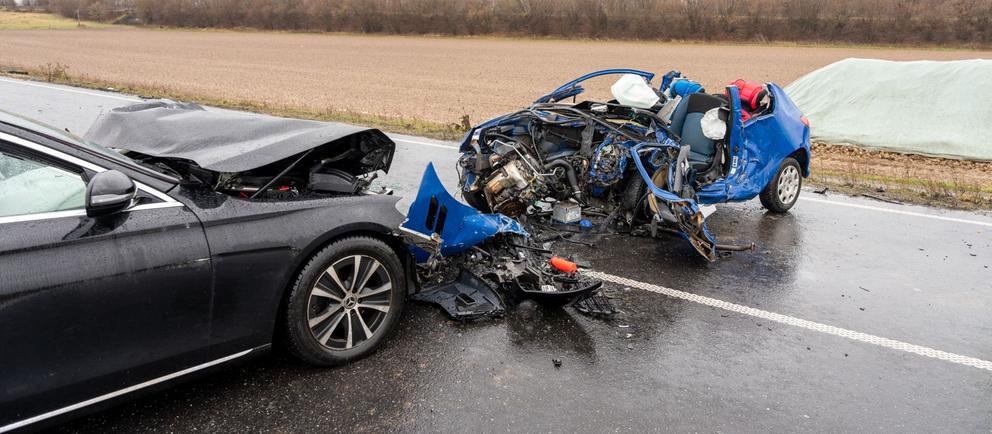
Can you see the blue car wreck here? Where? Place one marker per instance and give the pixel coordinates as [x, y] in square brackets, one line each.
[656, 156]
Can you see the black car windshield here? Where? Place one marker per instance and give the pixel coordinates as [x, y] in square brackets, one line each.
[62, 135]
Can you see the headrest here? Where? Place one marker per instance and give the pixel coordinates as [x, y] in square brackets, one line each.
[703, 102]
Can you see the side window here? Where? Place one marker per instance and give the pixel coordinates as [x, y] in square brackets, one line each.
[30, 186]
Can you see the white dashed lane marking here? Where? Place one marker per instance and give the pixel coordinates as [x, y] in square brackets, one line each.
[797, 322]
[897, 211]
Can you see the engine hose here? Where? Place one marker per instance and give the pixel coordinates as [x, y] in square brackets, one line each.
[569, 173]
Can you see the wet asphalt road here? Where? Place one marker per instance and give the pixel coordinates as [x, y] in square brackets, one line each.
[662, 364]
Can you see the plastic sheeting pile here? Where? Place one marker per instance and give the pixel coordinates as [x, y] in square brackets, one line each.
[922, 107]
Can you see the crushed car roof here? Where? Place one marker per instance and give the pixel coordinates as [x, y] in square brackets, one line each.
[218, 140]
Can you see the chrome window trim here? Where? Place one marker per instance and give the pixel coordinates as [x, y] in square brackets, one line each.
[79, 213]
[43, 216]
[157, 205]
[116, 393]
[51, 152]
[158, 194]
[167, 201]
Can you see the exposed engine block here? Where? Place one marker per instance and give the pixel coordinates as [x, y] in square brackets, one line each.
[512, 187]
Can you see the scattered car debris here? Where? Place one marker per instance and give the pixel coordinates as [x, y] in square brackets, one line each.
[822, 190]
[595, 304]
[498, 260]
[881, 199]
[649, 157]
[735, 247]
[467, 298]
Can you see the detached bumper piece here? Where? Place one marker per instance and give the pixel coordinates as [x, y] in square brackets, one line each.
[465, 299]
[595, 304]
[552, 288]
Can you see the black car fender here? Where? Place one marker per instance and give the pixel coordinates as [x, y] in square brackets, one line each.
[258, 247]
[382, 227]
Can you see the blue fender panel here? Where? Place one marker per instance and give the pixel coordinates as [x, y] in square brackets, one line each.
[460, 226]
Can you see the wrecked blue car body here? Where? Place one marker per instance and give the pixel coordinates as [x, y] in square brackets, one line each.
[653, 155]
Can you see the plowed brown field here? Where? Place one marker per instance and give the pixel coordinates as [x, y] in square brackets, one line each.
[431, 78]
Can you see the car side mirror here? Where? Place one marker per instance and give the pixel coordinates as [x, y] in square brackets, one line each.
[109, 192]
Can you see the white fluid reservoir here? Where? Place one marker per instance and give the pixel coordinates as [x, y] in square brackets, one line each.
[633, 91]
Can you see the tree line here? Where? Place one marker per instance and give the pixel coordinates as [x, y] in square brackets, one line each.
[931, 22]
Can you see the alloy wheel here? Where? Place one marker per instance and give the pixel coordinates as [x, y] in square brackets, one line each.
[348, 302]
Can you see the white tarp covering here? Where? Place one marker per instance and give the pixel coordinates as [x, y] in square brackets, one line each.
[923, 107]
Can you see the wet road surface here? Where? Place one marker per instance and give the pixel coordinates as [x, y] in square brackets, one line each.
[908, 274]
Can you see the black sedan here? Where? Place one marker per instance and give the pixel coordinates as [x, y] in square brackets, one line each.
[200, 239]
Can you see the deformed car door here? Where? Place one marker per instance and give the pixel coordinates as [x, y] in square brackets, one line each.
[91, 305]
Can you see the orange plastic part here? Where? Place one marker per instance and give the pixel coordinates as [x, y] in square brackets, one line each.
[563, 265]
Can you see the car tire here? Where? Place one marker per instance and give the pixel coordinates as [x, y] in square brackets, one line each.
[327, 321]
[783, 191]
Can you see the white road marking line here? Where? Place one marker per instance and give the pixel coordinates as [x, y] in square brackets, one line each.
[63, 89]
[897, 211]
[436, 145]
[788, 320]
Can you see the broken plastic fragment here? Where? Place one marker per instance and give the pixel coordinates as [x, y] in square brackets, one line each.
[562, 264]
[467, 298]
[596, 304]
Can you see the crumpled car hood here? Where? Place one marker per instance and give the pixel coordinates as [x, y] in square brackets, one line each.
[222, 140]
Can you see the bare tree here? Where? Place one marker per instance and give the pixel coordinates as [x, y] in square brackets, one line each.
[961, 22]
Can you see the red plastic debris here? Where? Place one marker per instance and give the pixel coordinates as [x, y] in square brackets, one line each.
[563, 265]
